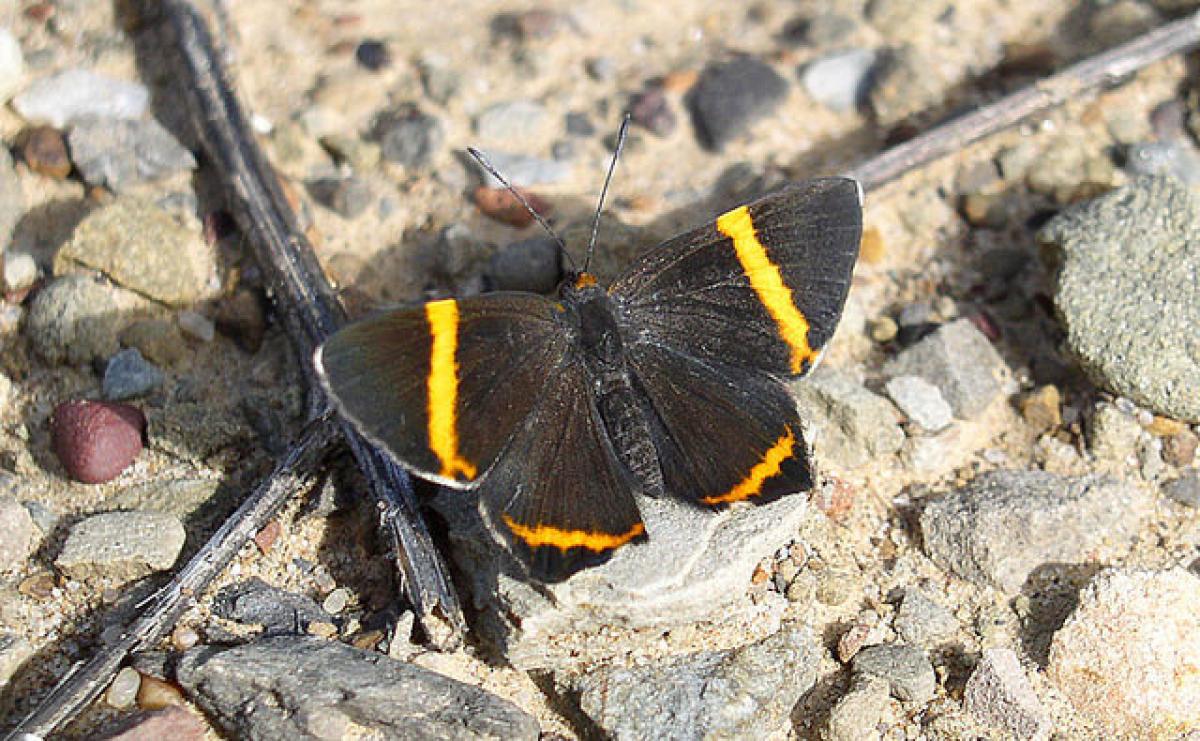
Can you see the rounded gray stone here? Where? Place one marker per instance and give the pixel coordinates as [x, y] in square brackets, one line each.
[1128, 292]
[921, 401]
[906, 669]
[73, 320]
[839, 80]
[129, 375]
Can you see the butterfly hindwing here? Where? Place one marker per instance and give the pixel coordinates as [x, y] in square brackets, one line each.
[558, 492]
[424, 383]
[761, 287]
[723, 434]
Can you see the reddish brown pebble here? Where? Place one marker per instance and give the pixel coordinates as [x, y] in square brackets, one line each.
[96, 440]
[760, 575]
[500, 205]
[835, 500]
[1180, 449]
[266, 537]
[156, 694]
[46, 153]
[174, 722]
[651, 110]
[40, 12]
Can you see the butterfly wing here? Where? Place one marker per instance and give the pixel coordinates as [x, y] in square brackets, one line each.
[443, 387]
[762, 287]
[717, 316]
[558, 492]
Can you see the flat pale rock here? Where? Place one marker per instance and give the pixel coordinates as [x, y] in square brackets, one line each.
[121, 545]
[299, 687]
[694, 569]
[140, 247]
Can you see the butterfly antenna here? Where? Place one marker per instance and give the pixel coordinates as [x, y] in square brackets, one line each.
[485, 164]
[604, 191]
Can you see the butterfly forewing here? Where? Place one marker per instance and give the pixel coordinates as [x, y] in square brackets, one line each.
[425, 383]
[761, 287]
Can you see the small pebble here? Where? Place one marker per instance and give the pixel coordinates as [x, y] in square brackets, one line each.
[184, 638]
[336, 601]
[1184, 490]
[822, 29]
[884, 329]
[372, 55]
[529, 265]
[873, 249]
[1178, 159]
[197, 326]
[323, 629]
[578, 124]
[500, 205]
[96, 441]
[1179, 450]
[159, 340]
[839, 81]
[118, 154]
[20, 271]
[906, 669]
[45, 151]
[72, 319]
[155, 694]
[74, 93]
[601, 69]
[1042, 408]
[409, 137]
[651, 110]
[729, 97]
[123, 545]
[349, 197]
[129, 375]
[438, 78]
[242, 317]
[921, 401]
[122, 693]
[266, 536]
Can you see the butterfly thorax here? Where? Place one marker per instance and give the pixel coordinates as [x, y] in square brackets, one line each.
[588, 308]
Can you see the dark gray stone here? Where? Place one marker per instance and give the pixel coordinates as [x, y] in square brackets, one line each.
[129, 375]
[349, 197]
[529, 265]
[1184, 490]
[1004, 524]
[118, 153]
[999, 694]
[1127, 292]
[742, 693]
[298, 687]
[906, 669]
[651, 110]
[409, 137]
[839, 80]
[728, 98]
[255, 602]
[959, 361]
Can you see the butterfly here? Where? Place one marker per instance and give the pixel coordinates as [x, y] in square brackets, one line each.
[560, 410]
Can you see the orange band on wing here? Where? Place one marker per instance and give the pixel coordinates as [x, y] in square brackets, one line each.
[770, 465]
[443, 389]
[541, 535]
[767, 282]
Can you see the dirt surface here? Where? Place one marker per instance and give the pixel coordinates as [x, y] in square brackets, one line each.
[295, 65]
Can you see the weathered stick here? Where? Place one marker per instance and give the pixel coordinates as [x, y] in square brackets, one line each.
[1105, 68]
[308, 306]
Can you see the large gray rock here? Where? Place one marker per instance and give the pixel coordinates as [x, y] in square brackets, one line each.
[743, 693]
[694, 569]
[1128, 295]
[1000, 527]
[298, 687]
[958, 359]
